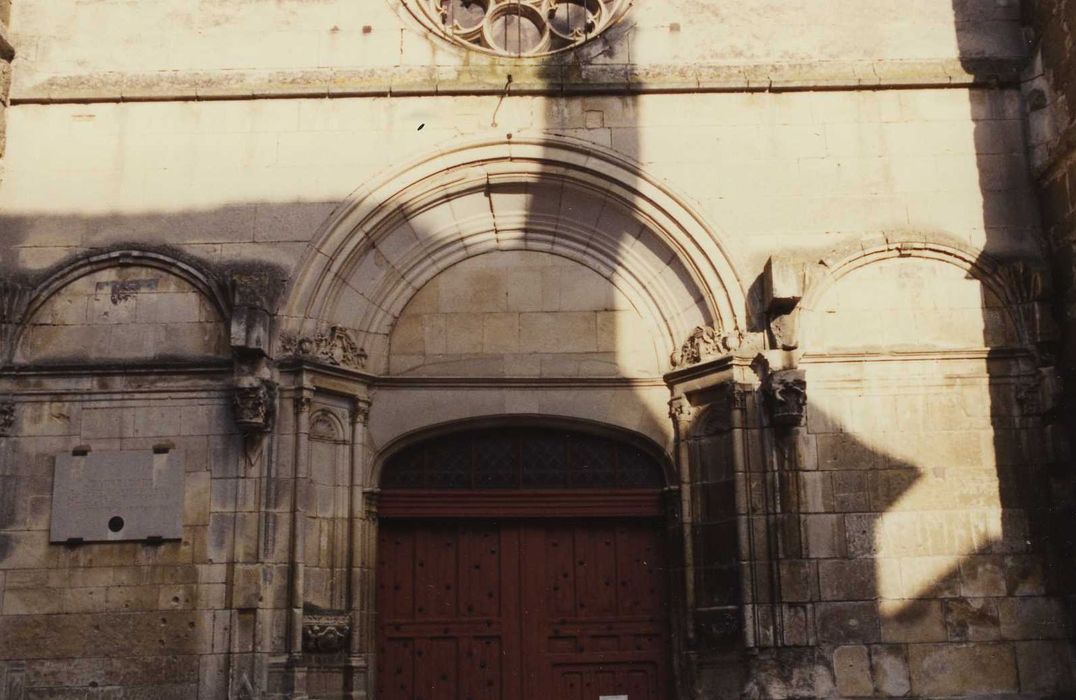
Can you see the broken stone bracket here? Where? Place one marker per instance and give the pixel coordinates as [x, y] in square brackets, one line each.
[783, 283]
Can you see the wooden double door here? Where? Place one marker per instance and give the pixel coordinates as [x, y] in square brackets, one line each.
[522, 609]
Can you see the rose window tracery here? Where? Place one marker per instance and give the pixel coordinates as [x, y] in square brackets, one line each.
[521, 27]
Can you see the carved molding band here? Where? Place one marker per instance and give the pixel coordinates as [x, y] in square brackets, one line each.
[333, 346]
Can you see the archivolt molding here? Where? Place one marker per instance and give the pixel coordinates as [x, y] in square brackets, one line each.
[374, 235]
[1017, 284]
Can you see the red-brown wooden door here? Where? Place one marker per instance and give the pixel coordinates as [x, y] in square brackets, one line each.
[521, 609]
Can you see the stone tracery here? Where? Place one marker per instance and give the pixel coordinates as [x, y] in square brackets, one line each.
[520, 27]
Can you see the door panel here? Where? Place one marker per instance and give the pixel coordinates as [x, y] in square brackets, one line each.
[449, 618]
[594, 610]
[521, 610]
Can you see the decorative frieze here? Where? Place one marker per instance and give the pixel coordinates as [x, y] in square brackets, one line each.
[333, 346]
[704, 343]
[326, 632]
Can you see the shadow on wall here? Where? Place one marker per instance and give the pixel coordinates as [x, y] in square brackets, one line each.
[925, 474]
[1029, 435]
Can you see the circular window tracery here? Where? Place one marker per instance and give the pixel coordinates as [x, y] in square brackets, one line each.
[520, 27]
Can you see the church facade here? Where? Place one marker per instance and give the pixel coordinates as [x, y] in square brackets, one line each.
[528, 349]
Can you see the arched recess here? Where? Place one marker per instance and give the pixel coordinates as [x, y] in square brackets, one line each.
[177, 299]
[1004, 291]
[546, 194]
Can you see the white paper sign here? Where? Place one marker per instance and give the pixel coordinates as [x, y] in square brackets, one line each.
[612, 697]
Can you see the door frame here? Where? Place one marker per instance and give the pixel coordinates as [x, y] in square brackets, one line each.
[663, 504]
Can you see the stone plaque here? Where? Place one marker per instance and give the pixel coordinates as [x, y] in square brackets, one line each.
[117, 496]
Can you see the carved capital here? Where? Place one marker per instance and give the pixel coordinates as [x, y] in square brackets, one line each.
[361, 411]
[333, 346]
[786, 392]
[1042, 393]
[1026, 282]
[704, 343]
[326, 632]
[254, 404]
[7, 417]
[679, 409]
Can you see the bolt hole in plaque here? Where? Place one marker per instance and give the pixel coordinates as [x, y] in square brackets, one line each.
[115, 523]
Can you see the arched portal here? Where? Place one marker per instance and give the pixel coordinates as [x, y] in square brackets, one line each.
[553, 195]
[522, 562]
[534, 280]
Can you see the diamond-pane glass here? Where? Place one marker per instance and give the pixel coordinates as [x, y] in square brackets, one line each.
[496, 463]
[545, 463]
[523, 458]
[449, 465]
[592, 463]
[636, 469]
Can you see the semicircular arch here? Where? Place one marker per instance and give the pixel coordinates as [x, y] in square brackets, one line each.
[552, 195]
[991, 274]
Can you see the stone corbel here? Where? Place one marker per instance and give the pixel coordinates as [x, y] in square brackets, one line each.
[326, 631]
[253, 291]
[254, 404]
[786, 393]
[783, 282]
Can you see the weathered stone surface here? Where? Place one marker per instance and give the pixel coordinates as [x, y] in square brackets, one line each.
[618, 201]
[843, 623]
[962, 669]
[852, 670]
[889, 670]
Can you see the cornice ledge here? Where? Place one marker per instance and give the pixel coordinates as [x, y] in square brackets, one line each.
[463, 80]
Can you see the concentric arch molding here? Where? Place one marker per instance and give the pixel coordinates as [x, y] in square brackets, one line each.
[550, 194]
[518, 28]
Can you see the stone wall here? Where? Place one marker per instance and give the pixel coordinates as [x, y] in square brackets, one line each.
[474, 237]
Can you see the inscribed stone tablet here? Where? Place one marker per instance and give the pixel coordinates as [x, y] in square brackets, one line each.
[117, 496]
